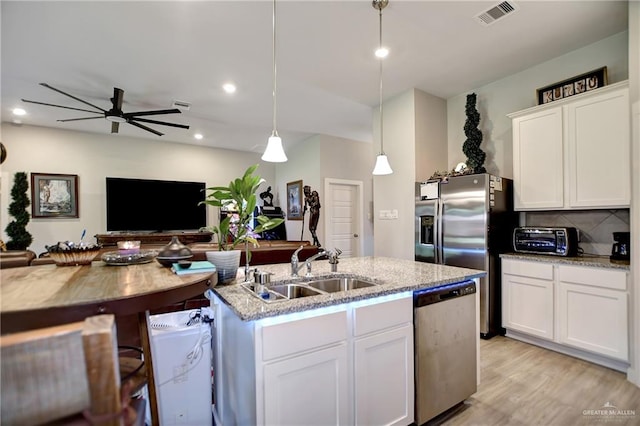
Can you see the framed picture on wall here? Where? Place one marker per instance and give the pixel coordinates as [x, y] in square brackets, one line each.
[294, 200]
[573, 86]
[54, 195]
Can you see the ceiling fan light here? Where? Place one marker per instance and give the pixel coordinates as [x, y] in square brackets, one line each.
[274, 152]
[382, 166]
[382, 52]
[115, 119]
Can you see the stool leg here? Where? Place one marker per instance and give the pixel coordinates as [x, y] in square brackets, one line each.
[145, 339]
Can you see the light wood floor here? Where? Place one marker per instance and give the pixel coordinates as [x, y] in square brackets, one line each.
[522, 384]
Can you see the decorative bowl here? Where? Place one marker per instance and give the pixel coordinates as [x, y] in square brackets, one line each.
[67, 253]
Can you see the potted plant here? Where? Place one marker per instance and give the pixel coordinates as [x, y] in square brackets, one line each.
[239, 200]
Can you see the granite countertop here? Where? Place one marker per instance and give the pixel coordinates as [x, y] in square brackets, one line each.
[597, 261]
[391, 275]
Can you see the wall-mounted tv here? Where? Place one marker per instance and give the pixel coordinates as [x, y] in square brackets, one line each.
[154, 205]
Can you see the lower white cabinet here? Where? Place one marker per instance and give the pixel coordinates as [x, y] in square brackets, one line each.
[528, 305]
[593, 311]
[350, 364]
[579, 310]
[310, 386]
[384, 378]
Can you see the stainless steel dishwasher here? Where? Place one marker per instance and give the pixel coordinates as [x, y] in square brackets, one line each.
[445, 348]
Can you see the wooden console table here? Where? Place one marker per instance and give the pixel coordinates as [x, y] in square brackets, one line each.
[112, 239]
[41, 296]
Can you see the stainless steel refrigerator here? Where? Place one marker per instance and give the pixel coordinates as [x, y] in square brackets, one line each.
[468, 221]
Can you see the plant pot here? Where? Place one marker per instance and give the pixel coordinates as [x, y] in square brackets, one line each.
[226, 262]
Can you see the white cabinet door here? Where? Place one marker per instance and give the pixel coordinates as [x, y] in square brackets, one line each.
[538, 160]
[384, 380]
[599, 150]
[527, 305]
[594, 319]
[310, 389]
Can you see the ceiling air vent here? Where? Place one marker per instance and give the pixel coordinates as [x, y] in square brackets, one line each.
[182, 105]
[498, 11]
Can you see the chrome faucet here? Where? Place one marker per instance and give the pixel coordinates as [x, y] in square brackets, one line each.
[319, 254]
[294, 262]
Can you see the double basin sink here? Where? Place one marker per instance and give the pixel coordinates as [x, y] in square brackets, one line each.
[309, 288]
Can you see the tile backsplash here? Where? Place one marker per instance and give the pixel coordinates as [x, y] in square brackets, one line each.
[596, 226]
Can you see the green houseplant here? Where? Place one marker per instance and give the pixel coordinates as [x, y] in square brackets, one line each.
[239, 199]
[21, 239]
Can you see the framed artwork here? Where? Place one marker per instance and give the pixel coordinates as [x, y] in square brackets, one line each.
[54, 195]
[573, 86]
[294, 200]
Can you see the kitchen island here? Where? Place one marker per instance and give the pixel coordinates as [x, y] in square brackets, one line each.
[338, 358]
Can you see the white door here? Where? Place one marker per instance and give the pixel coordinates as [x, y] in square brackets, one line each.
[343, 223]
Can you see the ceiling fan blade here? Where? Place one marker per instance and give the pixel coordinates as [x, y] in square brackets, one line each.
[71, 96]
[117, 98]
[115, 126]
[148, 129]
[78, 119]
[154, 112]
[163, 123]
[61, 106]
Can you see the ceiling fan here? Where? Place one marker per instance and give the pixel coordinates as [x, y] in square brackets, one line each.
[115, 114]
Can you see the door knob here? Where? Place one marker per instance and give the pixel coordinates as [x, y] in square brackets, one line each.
[355, 235]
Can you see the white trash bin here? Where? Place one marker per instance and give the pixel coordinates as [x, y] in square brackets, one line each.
[181, 347]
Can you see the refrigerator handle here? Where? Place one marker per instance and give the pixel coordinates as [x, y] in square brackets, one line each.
[439, 258]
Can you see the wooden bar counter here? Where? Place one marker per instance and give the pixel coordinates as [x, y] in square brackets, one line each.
[41, 296]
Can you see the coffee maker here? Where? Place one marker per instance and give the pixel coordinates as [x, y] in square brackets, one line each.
[621, 250]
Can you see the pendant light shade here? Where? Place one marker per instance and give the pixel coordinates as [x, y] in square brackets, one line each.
[382, 166]
[274, 152]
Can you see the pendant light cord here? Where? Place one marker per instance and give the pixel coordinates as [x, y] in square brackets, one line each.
[381, 59]
[275, 131]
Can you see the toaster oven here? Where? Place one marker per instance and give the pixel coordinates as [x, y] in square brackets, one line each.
[542, 240]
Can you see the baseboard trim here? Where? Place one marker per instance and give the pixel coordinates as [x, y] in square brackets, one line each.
[620, 366]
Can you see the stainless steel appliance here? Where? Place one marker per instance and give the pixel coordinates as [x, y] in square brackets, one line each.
[468, 221]
[445, 348]
[621, 249]
[540, 240]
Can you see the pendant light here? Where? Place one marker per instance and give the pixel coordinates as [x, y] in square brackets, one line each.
[274, 152]
[382, 166]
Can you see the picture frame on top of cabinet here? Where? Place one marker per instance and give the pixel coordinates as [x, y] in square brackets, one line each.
[294, 200]
[54, 196]
[573, 86]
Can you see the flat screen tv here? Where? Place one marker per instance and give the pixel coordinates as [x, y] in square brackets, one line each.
[154, 205]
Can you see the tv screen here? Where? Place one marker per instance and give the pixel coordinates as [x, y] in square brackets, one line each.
[154, 205]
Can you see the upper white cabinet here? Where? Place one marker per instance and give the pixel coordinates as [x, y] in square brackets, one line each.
[575, 153]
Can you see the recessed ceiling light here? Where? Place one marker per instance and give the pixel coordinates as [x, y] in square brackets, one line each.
[19, 111]
[198, 136]
[229, 87]
[382, 52]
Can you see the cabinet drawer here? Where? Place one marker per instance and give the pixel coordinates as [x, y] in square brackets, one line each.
[303, 334]
[540, 270]
[597, 277]
[367, 319]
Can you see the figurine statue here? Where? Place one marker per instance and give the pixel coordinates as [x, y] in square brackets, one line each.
[312, 201]
[267, 197]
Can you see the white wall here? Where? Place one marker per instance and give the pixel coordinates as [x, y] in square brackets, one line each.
[93, 157]
[634, 94]
[394, 238]
[431, 135]
[350, 160]
[518, 91]
[303, 164]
